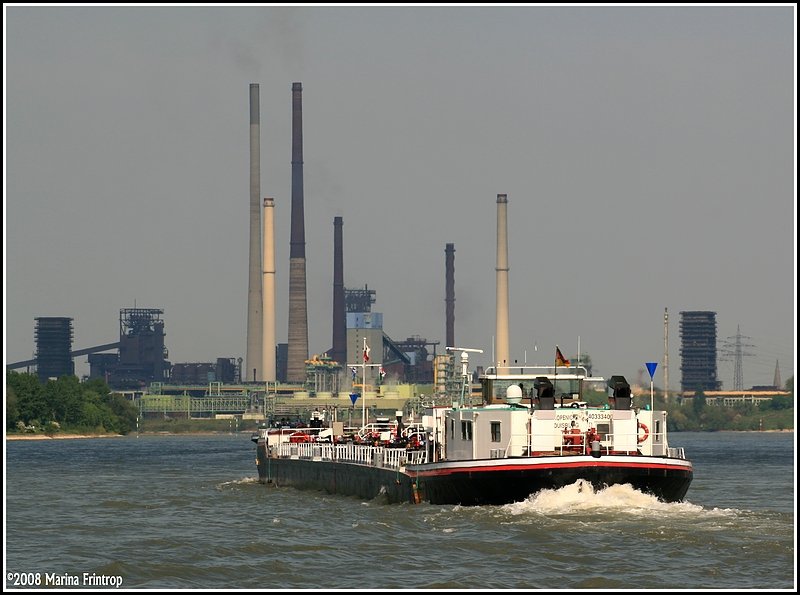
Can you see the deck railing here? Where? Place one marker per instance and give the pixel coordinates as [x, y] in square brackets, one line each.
[374, 456]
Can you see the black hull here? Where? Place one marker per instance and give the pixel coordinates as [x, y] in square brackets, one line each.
[347, 479]
[486, 485]
[504, 486]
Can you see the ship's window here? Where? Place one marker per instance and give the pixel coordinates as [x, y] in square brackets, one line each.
[466, 430]
[603, 430]
[452, 428]
[657, 437]
[495, 431]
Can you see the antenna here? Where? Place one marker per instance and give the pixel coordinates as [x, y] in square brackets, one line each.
[465, 351]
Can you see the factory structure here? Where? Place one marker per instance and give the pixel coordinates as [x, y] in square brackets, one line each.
[138, 361]
[698, 330]
[271, 371]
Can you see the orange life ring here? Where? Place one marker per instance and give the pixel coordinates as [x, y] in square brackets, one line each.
[641, 439]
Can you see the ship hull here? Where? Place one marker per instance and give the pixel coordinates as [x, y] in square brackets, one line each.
[363, 481]
[512, 480]
[474, 483]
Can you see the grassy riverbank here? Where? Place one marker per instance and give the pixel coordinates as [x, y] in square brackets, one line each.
[147, 426]
[56, 436]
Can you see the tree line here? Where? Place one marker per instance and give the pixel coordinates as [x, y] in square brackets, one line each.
[66, 404]
[696, 414]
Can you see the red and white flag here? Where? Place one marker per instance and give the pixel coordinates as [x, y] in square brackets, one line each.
[366, 352]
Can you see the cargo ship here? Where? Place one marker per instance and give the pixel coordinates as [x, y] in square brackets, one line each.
[532, 431]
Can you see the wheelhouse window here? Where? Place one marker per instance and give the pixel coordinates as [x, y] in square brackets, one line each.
[495, 425]
[466, 430]
[495, 389]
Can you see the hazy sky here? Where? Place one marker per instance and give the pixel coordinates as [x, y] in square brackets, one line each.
[648, 155]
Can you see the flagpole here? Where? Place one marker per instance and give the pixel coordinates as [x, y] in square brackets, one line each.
[555, 367]
[354, 369]
[364, 386]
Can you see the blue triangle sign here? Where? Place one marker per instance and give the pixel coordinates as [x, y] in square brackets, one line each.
[354, 397]
[651, 367]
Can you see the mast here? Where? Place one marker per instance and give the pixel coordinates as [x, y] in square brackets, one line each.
[666, 355]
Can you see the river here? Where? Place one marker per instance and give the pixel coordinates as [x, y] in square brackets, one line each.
[186, 512]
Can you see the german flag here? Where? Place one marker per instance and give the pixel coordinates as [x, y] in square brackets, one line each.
[560, 359]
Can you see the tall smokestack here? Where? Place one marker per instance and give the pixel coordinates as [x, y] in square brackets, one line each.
[502, 282]
[298, 309]
[339, 350]
[254, 297]
[450, 293]
[268, 342]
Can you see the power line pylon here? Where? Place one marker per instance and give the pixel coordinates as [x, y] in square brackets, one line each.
[734, 348]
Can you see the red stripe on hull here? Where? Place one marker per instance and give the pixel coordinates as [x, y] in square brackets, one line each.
[564, 465]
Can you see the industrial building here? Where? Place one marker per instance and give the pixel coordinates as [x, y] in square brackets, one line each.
[224, 370]
[698, 330]
[53, 336]
[139, 360]
[142, 356]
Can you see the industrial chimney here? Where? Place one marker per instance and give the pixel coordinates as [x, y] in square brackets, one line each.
[254, 294]
[339, 350]
[298, 309]
[450, 293]
[502, 360]
[268, 340]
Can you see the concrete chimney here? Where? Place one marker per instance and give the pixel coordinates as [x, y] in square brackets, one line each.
[502, 360]
[268, 342]
[450, 293]
[253, 361]
[298, 308]
[339, 350]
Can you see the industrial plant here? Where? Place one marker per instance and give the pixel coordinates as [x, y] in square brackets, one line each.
[138, 363]
[275, 378]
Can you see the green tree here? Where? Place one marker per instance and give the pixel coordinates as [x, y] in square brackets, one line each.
[699, 401]
[12, 411]
[63, 397]
[124, 411]
[31, 403]
[66, 403]
[678, 421]
[781, 402]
